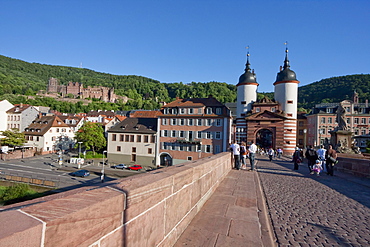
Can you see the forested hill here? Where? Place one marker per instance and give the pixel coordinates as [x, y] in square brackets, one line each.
[19, 77]
[22, 78]
[334, 89]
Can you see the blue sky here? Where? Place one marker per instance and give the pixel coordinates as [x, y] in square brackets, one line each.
[191, 40]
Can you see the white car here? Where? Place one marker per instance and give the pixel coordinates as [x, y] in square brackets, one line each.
[120, 166]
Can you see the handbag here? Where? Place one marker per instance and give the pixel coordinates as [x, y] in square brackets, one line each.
[333, 160]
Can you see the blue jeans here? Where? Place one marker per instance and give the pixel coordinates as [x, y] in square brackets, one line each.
[237, 161]
[251, 159]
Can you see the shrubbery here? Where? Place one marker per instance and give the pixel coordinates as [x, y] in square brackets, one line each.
[17, 193]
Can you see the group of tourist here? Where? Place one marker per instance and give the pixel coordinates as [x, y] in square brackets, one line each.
[243, 152]
[320, 160]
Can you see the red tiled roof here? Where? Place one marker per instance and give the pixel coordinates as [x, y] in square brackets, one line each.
[145, 114]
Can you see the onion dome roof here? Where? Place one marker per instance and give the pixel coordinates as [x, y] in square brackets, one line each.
[286, 74]
[249, 77]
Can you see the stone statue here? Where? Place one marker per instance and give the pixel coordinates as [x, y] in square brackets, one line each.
[341, 117]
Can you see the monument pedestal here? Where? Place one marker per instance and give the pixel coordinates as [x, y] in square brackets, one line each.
[341, 140]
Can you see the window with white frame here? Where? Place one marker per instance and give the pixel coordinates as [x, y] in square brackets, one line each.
[208, 110]
[199, 148]
[182, 133]
[209, 122]
[208, 148]
[322, 119]
[182, 111]
[165, 111]
[190, 135]
[165, 133]
[208, 135]
[199, 134]
[218, 122]
[188, 148]
[173, 121]
[190, 122]
[173, 133]
[356, 120]
[363, 120]
[182, 121]
[330, 120]
[173, 146]
[218, 111]
[191, 111]
[181, 147]
[363, 132]
[200, 111]
[164, 121]
[199, 122]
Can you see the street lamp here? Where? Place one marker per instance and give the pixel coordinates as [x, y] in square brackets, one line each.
[79, 149]
[304, 138]
[102, 171]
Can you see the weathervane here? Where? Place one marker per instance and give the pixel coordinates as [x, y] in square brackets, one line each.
[286, 46]
[247, 50]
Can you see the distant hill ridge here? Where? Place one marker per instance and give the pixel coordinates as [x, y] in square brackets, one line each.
[20, 77]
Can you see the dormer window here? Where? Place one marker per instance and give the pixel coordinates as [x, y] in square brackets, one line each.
[165, 111]
[208, 110]
[218, 111]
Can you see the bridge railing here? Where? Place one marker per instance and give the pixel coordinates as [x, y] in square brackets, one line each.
[149, 209]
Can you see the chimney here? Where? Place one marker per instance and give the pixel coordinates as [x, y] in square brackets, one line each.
[21, 105]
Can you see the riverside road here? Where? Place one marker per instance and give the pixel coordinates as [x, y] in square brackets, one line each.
[307, 210]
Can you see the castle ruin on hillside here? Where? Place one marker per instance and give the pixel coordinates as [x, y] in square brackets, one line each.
[75, 88]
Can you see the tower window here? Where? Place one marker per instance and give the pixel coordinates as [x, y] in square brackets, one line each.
[244, 102]
[290, 101]
[289, 115]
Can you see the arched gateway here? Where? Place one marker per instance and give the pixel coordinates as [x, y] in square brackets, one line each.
[264, 139]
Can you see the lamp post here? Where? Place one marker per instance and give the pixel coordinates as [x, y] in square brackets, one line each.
[304, 138]
[79, 149]
[102, 171]
[320, 132]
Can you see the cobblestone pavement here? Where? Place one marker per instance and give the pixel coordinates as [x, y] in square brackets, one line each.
[307, 210]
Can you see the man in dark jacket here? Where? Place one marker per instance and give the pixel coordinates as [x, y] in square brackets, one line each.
[311, 156]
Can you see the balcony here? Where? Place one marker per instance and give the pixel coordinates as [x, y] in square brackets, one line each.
[188, 141]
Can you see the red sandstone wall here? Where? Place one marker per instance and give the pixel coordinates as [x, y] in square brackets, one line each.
[350, 164]
[150, 209]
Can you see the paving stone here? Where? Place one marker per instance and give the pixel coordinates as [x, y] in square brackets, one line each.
[324, 211]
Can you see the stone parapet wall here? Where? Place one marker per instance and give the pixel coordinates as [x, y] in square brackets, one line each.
[354, 164]
[149, 209]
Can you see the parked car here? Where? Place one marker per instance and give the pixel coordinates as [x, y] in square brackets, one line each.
[120, 166]
[80, 173]
[135, 167]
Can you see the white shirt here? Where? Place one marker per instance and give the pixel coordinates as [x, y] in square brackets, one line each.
[321, 152]
[236, 148]
[252, 148]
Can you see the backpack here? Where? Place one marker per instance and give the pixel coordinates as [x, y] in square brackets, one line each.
[312, 153]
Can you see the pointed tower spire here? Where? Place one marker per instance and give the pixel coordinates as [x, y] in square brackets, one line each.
[286, 61]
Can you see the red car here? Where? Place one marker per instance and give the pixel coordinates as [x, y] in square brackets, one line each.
[135, 167]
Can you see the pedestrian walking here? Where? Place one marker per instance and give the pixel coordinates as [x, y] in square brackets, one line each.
[297, 158]
[236, 152]
[243, 155]
[317, 167]
[331, 160]
[311, 156]
[271, 153]
[321, 152]
[252, 153]
[279, 152]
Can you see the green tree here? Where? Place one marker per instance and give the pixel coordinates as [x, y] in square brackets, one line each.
[92, 136]
[12, 138]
